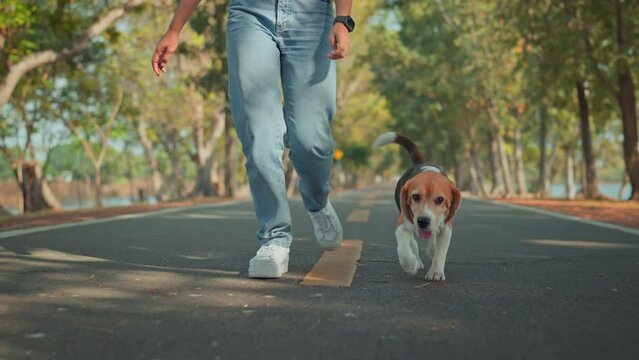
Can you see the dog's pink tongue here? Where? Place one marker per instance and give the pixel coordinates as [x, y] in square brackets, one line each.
[425, 234]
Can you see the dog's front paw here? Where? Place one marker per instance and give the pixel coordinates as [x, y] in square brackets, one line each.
[410, 264]
[435, 275]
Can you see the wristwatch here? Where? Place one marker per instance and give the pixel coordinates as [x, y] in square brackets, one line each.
[347, 21]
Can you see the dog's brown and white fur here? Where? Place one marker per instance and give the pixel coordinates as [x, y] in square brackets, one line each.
[428, 201]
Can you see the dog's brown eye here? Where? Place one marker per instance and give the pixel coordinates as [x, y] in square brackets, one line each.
[439, 200]
[416, 197]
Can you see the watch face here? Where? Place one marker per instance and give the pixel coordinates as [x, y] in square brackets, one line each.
[347, 21]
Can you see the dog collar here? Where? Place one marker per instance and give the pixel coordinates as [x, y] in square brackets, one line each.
[430, 168]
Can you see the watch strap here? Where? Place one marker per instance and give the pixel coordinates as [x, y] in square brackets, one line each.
[346, 20]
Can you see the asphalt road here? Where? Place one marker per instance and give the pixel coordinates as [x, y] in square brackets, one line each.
[173, 285]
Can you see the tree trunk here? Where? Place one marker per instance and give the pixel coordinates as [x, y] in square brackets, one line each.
[290, 175]
[505, 165]
[48, 195]
[570, 172]
[591, 189]
[97, 185]
[206, 150]
[175, 181]
[497, 179]
[476, 170]
[520, 175]
[215, 177]
[582, 176]
[203, 184]
[147, 145]
[4, 212]
[542, 189]
[622, 187]
[501, 150]
[291, 186]
[628, 105]
[476, 182]
[460, 170]
[550, 174]
[32, 193]
[40, 194]
[177, 177]
[287, 165]
[98, 159]
[129, 171]
[230, 158]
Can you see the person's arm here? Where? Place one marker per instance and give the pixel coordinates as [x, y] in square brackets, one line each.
[169, 42]
[340, 37]
[343, 7]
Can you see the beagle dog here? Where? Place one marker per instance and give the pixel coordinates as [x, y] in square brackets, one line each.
[427, 200]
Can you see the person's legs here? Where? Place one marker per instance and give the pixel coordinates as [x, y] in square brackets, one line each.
[255, 92]
[308, 78]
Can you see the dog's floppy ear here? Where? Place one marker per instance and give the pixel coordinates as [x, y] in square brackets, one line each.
[404, 203]
[454, 204]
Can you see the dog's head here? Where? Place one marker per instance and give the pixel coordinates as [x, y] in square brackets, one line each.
[428, 201]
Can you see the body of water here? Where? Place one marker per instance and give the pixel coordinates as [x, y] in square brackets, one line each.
[75, 204]
[610, 190]
[111, 201]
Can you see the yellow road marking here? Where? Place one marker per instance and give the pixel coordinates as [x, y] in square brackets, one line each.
[358, 216]
[335, 268]
[370, 199]
[367, 202]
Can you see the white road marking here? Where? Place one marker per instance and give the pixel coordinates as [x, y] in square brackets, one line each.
[19, 232]
[602, 224]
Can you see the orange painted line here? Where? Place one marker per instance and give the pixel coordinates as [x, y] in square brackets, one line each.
[358, 216]
[370, 199]
[367, 202]
[335, 268]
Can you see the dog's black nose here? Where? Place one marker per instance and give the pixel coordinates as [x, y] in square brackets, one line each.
[423, 222]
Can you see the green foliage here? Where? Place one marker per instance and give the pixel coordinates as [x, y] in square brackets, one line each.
[69, 158]
[5, 169]
[355, 155]
[429, 69]
[443, 63]
[16, 18]
[32, 25]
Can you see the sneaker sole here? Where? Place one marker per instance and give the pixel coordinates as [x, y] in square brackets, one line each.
[265, 269]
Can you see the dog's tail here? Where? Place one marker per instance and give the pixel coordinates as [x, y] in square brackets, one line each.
[416, 156]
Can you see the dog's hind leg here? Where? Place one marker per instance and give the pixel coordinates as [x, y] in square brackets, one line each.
[407, 258]
[439, 249]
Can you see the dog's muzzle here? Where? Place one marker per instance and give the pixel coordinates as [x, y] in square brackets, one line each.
[422, 224]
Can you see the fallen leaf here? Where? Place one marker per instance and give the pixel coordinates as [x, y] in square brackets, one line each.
[422, 285]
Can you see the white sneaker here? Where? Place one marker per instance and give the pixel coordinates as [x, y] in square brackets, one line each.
[271, 261]
[328, 229]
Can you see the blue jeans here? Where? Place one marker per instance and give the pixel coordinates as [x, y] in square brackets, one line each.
[282, 82]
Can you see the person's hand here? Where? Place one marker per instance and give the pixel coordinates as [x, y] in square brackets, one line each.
[163, 51]
[340, 40]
